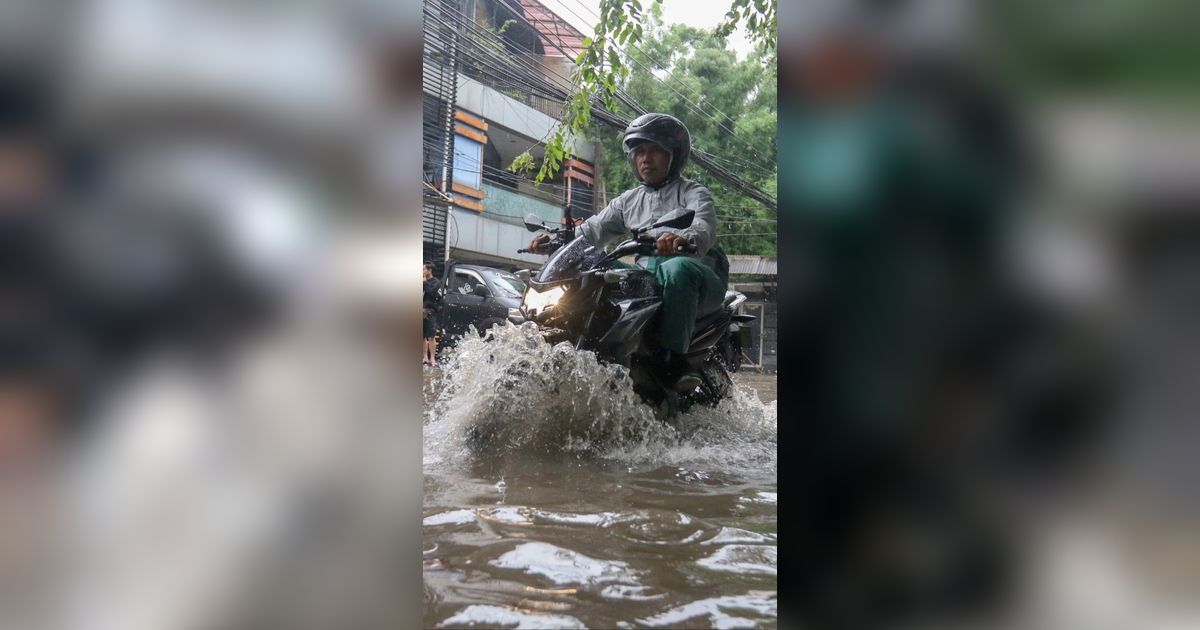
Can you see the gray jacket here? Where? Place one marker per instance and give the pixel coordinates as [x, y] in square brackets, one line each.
[642, 206]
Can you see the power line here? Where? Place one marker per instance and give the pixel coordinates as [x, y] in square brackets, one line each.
[521, 76]
[526, 82]
[625, 98]
[699, 98]
[487, 169]
[702, 159]
[657, 64]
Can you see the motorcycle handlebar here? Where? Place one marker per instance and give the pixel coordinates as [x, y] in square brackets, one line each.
[651, 247]
[647, 245]
[547, 248]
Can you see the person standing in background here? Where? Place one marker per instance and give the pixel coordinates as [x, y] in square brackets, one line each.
[430, 299]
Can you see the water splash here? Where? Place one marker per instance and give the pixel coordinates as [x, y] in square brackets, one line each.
[512, 392]
[739, 434]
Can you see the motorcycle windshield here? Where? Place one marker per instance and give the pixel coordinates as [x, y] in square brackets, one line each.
[567, 263]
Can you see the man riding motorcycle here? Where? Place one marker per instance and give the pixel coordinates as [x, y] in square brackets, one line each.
[693, 285]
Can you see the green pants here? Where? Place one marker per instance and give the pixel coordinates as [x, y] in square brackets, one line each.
[690, 290]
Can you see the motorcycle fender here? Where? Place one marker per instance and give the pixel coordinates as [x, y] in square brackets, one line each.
[626, 331]
[744, 318]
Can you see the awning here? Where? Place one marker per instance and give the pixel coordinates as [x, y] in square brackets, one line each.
[757, 265]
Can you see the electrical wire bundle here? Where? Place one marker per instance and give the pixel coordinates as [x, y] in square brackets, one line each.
[458, 42]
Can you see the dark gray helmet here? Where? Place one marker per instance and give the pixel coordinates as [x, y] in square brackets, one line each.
[664, 130]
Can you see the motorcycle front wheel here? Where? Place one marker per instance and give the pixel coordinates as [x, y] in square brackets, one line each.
[715, 384]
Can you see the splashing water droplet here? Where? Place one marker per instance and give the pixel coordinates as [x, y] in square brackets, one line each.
[514, 393]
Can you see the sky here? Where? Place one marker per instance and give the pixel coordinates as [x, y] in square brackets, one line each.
[698, 13]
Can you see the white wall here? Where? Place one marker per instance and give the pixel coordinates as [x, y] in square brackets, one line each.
[480, 99]
[474, 232]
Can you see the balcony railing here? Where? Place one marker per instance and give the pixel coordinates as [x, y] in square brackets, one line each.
[551, 108]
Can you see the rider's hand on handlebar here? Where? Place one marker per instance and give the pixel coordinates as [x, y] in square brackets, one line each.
[539, 244]
[670, 243]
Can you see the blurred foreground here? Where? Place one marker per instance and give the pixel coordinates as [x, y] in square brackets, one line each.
[993, 212]
[208, 219]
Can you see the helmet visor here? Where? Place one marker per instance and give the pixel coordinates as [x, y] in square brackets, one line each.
[633, 141]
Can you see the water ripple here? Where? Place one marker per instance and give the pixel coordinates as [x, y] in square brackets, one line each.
[493, 616]
[563, 566]
[717, 609]
[746, 559]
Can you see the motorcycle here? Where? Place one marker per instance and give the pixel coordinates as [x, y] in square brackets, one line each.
[585, 296]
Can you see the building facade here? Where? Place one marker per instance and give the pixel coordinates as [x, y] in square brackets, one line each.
[500, 63]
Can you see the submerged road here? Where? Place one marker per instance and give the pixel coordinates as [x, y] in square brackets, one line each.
[582, 511]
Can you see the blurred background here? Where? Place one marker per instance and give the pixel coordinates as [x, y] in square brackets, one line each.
[210, 264]
[208, 213]
[992, 212]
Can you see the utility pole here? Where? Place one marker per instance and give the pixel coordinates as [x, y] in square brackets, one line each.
[448, 131]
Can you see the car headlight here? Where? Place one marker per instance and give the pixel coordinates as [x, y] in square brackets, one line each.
[537, 301]
[516, 313]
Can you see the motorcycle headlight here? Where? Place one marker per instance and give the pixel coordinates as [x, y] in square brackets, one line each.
[537, 301]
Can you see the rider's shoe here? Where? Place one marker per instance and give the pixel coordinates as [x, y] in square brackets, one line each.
[680, 376]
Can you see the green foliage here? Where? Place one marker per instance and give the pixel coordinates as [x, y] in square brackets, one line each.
[598, 71]
[714, 94]
[759, 19]
[493, 45]
[600, 68]
[522, 164]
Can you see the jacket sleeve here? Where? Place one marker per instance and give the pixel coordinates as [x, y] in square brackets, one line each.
[704, 226]
[607, 224]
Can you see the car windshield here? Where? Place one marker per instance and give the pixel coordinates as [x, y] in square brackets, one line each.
[506, 283]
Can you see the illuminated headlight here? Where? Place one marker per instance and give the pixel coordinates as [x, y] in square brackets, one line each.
[537, 301]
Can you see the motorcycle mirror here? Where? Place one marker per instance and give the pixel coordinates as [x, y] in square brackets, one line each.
[676, 219]
[533, 222]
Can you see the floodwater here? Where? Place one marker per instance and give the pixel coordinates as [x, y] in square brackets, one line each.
[553, 499]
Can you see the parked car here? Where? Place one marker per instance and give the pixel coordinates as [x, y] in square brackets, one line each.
[480, 296]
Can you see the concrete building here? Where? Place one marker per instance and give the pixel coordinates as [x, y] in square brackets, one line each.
[482, 60]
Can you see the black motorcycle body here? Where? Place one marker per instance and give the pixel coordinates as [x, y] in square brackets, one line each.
[613, 309]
